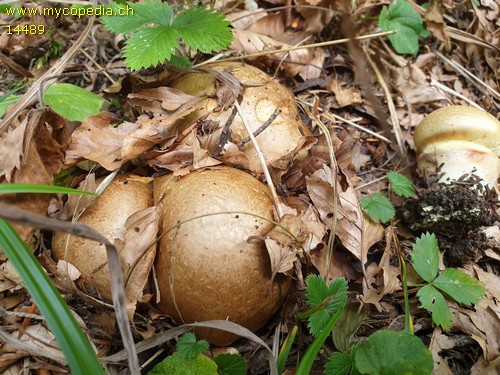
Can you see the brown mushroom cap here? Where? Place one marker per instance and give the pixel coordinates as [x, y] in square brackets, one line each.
[212, 267]
[261, 96]
[125, 195]
[464, 139]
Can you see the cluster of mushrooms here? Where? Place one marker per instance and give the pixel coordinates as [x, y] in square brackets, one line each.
[210, 261]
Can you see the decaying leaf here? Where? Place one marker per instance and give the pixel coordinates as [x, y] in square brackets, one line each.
[137, 253]
[252, 42]
[34, 158]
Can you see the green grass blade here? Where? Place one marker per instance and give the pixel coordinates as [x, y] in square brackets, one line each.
[39, 188]
[285, 349]
[74, 344]
[307, 361]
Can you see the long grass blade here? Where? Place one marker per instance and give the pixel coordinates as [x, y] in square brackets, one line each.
[39, 188]
[74, 344]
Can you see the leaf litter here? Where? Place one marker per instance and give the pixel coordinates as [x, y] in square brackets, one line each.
[364, 252]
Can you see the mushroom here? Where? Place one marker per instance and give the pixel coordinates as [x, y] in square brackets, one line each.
[459, 141]
[125, 196]
[212, 261]
[261, 95]
[460, 147]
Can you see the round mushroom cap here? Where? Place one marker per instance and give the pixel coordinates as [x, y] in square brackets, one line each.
[261, 96]
[458, 123]
[215, 264]
[458, 141]
[125, 195]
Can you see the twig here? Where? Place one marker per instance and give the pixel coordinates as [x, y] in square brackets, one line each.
[453, 92]
[468, 75]
[390, 103]
[30, 95]
[314, 45]
[261, 128]
[262, 160]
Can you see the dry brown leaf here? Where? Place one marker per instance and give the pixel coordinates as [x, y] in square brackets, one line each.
[252, 42]
[281, 256]
[160, 99]
[350, 221]
[440, 342]
[482, 323]
[435, 23]
[41, 158]
[345, 96]
[341, 265]
[137, 253]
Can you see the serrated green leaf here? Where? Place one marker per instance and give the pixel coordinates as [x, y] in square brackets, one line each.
[231, 364]
[378, 207]
[324, 301]
[316, 290]
[426, 256]
[403, 18]
[150, 46]
[339, 364]
[177, 364]
[72, 102]
[156, 12]
[401, 185]
[317, 321]
[189, 347]
[433, 301]
[393, 353]
[203, 29]
[459, 286]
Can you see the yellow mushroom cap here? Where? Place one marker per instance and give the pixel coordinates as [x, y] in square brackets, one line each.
[464, 140]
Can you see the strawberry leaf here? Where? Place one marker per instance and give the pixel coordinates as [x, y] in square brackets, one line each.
[459, 286]
[426, 256]
[433, 301]
[378, 207]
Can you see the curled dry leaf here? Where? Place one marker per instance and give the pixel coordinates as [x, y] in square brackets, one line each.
[383, 278]
[32, 153]
[306, 62]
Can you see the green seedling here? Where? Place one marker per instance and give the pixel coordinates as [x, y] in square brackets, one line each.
[409, 26]
[155, 31]
[379, 207]
[189, 359]
[450, 282]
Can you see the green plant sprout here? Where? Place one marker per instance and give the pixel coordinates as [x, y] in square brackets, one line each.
[451, 282]
[83, 104]
[189, 359]
[383, 353]
[72, 340]
[155, 31]
[408, 23]
[378, 206]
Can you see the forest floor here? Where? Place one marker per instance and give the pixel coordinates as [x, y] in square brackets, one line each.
[369, 97]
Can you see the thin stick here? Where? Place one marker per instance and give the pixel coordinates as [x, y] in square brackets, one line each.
[390, 103]
[262, 160]
[263, 127]
[314, 45]
[30, 95]
[468, 75]
[453, 92]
